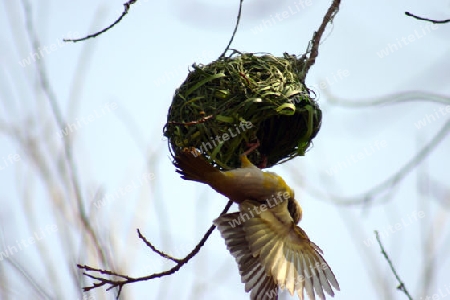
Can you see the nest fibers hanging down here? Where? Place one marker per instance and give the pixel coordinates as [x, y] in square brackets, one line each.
[225, 106]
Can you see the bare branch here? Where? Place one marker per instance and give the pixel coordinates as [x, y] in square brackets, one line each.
[235, 29]
[119, 283]
[313, 47]
[425, 19]
[401, 285]
[159, 252]
[69, 166]
[390, 182]
[94, 35]
[394, 98]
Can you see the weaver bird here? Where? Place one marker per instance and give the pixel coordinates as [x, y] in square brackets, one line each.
[270, 249]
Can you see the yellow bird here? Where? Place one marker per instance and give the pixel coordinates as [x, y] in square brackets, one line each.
[270, 249]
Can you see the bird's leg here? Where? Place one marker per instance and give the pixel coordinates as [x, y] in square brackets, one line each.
[252, 147]
[245, 161]
[263, 163]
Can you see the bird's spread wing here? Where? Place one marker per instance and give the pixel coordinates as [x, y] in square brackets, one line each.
[252, 272]
[281, 249]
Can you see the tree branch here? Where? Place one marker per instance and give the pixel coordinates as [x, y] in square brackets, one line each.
[125, 11]
[313, 47]
[124, 279]
[234, 31]
[401, 285]
[425, 19]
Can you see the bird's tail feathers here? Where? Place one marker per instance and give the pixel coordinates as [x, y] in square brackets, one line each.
[193, 166]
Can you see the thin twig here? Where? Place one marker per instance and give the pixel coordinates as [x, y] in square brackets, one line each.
[425, 19]
[28, 277]
[401, 285]
[202, 120]
[389, 183]
[313, 47]
[56, 112]
[159, 252]
[126, 279]
[235, 29]
[416, 160]
[389, 99]
[125, 11]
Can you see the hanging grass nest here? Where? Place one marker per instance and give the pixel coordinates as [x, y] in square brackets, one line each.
[225, 106]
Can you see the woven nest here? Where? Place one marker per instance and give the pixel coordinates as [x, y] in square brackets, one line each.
[225, 106]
